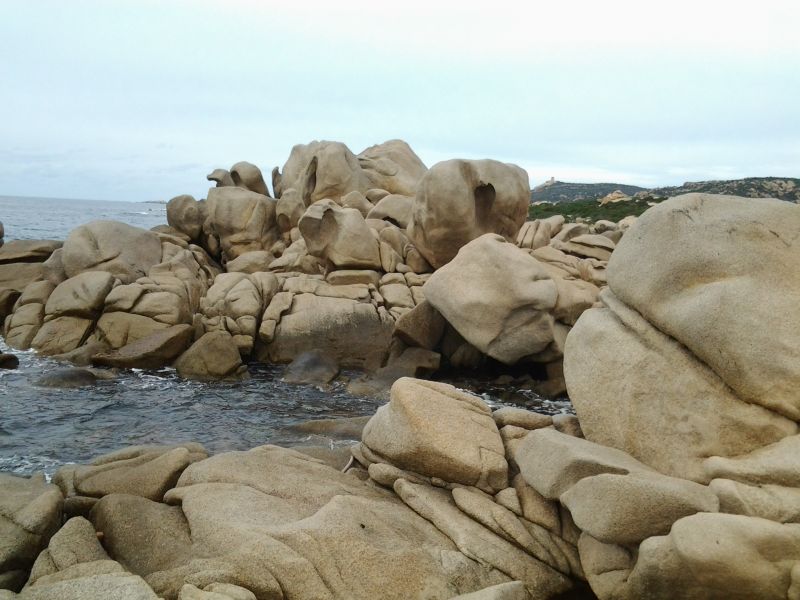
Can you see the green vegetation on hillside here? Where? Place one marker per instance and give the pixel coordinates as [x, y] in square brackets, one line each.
[590, 210]
[560, 191]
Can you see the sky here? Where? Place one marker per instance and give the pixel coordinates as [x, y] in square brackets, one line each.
[139, 100]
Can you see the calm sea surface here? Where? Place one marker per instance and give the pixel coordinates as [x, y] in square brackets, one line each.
[42, 428]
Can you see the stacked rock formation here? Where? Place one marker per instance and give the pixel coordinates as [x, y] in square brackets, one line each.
[372, 259]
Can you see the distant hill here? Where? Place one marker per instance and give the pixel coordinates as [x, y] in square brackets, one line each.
[581, 200]
[559, 191]
[783, 188]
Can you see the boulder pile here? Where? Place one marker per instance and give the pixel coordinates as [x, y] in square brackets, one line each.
[372, 259]
[678, 478]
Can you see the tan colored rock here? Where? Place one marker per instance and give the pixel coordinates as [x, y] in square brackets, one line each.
[319, 170]
[214, 356]
[616, 363]
[242, 220]
[586, 246]
[422, 327]
[27, 251]
[61, 334]
[773, 502]
[727, 294]
[571, 230]
[251, 262]
[393, 208]
[717, 556]
[23, 324]
[535, 234]
[519, 417]
[355, 333]
[281, 524]
[146, 471]
[357, 200]
[248, 176]
[156, 350]
[353, 276]
[460, 200]
[124, 251]
[222, 177]
[468, 451]
[513, 590]
[340, 236]
[235, 304]
[552, 462]
[31, 510]
[80, 296]
[606, 566]
[392, 166]
[626, 509]
[775, 464]
[185, 215]
[473, 539]
[117, 329]
[498, 297]
[15, 276]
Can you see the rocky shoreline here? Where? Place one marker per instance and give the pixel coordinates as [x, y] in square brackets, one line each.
[675, 336]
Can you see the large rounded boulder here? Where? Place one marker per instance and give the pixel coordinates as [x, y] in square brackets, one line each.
[696, 351]
[125, 251]
[460, 200]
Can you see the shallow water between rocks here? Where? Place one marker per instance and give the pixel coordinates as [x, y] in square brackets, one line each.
[42, 428]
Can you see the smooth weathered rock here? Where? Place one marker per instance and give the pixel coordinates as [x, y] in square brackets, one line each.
[319, 170]
[460, 200]
[498, 297]
[153, 351]
[248, 176]
[281, 524]
[185, 215]
[15, 276]
[473, 539]
[392, 166]
[116, 329]
[774, 502]
[124, 251]
[340, 236]
[736, 260]
[27, 251]
[214, 356]
[513, 590]
[146, 471]
[624, 376]
[242, 220]
[251, 262]
[422, 326]
[80, 296]
[31, 514]
[393, 208]
[776, 464]
[552, 462]
[626, 509]
[716, 556]
[519, 417]
[468, 450]
[355, 333]
[62, 334]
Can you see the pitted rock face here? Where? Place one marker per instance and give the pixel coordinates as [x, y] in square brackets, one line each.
[460, 200]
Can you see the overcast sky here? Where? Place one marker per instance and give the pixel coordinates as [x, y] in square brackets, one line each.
[139, 100]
